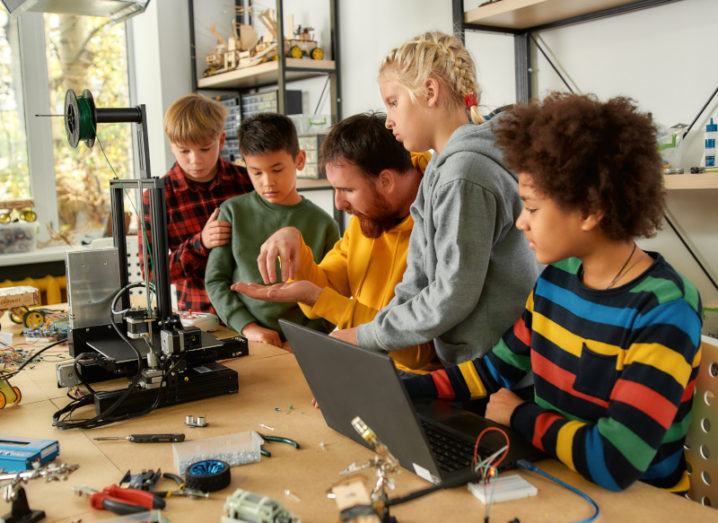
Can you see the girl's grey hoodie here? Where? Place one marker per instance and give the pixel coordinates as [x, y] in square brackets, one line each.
[469, 270]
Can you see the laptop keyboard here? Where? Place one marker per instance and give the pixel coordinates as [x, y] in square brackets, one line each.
[451, 453]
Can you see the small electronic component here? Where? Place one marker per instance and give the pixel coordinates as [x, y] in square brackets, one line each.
[195, 421]
[502, 488]
[178, 340]
[138, 323]
[243, 505]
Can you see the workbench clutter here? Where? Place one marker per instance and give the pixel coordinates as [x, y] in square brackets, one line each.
[24, 459]
[236, 449]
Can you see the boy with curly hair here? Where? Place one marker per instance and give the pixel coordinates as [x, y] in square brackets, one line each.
[611, 332]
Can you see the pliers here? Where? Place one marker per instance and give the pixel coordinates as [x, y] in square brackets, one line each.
[181, 489]
[122, 500]
[276, 439]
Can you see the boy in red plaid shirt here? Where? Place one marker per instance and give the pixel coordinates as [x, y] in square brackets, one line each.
[195, 186]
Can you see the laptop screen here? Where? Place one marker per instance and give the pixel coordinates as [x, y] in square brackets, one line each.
[349, 381]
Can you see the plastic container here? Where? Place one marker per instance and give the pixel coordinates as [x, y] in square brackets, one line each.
[17, 237]
[236, 449]
[670, 146]
[311, 123]
[710, 143]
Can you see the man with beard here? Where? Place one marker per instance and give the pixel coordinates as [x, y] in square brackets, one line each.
[375, 180]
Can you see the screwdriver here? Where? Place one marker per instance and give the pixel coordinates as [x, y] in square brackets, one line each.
[146, 438]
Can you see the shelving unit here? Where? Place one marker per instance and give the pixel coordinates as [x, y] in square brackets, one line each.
[701, 182]
[278, 72]
[522, 17]
[526, 14]
[267, 74]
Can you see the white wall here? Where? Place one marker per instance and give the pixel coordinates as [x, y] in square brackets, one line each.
[369, 29]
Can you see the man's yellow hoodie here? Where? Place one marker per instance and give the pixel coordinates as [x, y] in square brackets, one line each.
[358, 277]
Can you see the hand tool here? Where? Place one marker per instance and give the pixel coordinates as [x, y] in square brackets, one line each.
[121, 500]
[276, 439]
[146, 438]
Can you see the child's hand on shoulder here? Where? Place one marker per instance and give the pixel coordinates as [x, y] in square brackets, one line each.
[259, 334]
[215, 232]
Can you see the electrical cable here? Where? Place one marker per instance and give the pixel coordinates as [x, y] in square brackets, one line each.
[460, 479]
[32, 357]
[103, 418]
[78, 363]
[533, 468]
[502, 457]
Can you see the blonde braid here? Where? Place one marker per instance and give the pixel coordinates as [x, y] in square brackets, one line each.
[440, 55]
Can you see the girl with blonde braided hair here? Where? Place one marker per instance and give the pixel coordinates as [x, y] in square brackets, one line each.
[469, 269]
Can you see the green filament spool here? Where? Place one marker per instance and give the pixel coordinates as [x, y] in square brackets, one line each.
[80, 118]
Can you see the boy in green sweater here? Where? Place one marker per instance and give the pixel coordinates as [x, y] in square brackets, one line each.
[269, 145]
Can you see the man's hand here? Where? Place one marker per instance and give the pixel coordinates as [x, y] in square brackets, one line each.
[501, 406]
[283, 244]
[216, 233]
[254, 332]
[292, 292]
[348, 335]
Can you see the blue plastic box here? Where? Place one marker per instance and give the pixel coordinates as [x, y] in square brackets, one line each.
[18, 453]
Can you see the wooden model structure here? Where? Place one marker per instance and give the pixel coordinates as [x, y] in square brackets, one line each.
[244, 48]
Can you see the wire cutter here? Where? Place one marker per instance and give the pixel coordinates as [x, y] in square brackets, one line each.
[121, 500]
[276, 439]
[181, 489]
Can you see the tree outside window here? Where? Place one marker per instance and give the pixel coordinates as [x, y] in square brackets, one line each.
[14, 178]
[80, 53]
[87, 53]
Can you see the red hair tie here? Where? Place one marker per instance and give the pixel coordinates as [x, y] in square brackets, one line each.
[470, 100]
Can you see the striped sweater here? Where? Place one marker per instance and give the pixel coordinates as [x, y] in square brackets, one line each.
[614, 373]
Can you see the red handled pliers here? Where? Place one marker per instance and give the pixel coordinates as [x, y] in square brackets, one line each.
[122, 500]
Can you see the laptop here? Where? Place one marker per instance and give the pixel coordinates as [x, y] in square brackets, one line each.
[435, 440]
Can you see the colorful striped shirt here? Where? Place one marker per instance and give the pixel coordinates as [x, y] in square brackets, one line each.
[614, 373]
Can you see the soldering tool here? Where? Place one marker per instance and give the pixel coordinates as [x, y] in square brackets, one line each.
[146, 438]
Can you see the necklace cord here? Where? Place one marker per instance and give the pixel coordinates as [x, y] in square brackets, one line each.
[623, 269]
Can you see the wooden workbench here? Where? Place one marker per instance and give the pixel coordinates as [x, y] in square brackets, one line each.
[273, 392]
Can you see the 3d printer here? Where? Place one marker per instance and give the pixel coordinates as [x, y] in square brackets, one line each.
[167, 363]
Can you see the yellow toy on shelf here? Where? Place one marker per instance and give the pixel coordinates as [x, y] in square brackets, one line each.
[17, 210]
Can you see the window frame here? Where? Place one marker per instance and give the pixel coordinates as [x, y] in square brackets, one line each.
[36, 100]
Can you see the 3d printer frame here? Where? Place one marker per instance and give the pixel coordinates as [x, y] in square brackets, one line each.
[102, 344]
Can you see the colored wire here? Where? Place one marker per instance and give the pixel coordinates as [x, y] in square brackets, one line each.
[35, 355]
[86, 126]
[478, 440]
[533, 468]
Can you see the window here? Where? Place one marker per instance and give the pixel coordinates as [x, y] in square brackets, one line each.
[87, 53]
[14, 176]
[41, 57]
